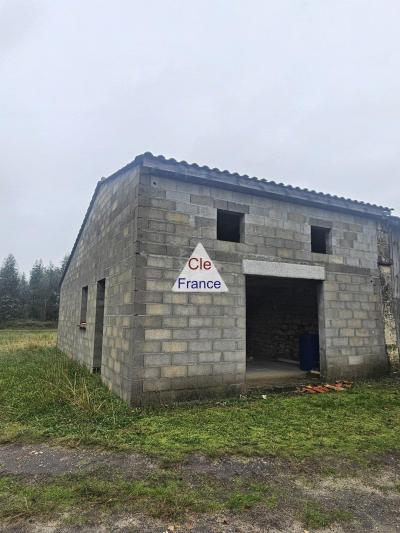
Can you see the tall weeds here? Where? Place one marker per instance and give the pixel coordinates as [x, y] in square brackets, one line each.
[73, 385]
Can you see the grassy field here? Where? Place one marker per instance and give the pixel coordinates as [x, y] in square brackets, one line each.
[47, 398]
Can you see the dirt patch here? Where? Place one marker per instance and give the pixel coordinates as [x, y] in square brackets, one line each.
[369, 496]
[43, 460]
[228, 467]
[216, 523]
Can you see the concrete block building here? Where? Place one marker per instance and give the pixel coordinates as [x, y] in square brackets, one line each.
[296, 263]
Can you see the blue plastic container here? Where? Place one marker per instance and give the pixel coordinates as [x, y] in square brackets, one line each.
[309, 351]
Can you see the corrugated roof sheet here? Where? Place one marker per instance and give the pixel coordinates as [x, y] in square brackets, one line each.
[205, 168]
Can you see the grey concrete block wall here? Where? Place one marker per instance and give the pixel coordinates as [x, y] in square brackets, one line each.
[105, 249]
[354, 336]
[161, 346]
[196, 341]
[191, 343]
[395, 240]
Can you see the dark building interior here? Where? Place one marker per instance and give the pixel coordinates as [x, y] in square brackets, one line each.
[280, 314]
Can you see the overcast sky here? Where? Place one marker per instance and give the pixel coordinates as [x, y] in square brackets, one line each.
[305, 92]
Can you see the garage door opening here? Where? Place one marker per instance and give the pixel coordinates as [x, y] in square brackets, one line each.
[282, 340]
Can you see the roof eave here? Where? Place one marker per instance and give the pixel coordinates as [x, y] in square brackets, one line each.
[224, 179]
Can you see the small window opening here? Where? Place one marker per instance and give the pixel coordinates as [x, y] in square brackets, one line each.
[320, 240]
[229, 226]
[84, 301]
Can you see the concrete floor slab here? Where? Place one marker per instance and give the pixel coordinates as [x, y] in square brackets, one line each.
[273, 372]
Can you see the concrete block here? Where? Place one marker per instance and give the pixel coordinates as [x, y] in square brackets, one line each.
[200, 370]
[174, 371]
[233, 357]
[158, 309]
[224, 345]
[210, 333]
[184, 310]
[157, 359]
[200, 346]
[185, 334]
[158, 285]
[157, 334]
[209, 357]
[156, 384]
[175, 322]
[174, 346]
[150, 346]
[200, 299]
[152, 373]
[356, 360]
[175, 298]
[159, 261]
[201, 322]
[177, 218]
[184, 359]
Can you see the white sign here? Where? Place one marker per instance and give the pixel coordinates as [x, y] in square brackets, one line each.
[199, 274]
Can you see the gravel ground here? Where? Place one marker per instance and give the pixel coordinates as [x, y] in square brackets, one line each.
[370, 494]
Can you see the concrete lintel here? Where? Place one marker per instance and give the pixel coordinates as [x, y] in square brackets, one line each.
[283, 270]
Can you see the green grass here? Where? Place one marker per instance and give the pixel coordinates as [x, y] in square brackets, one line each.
[316, 516]
[28, 324]
[46, 396]
[164, 494]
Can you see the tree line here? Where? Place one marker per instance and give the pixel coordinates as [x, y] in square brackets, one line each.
[35, 298]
